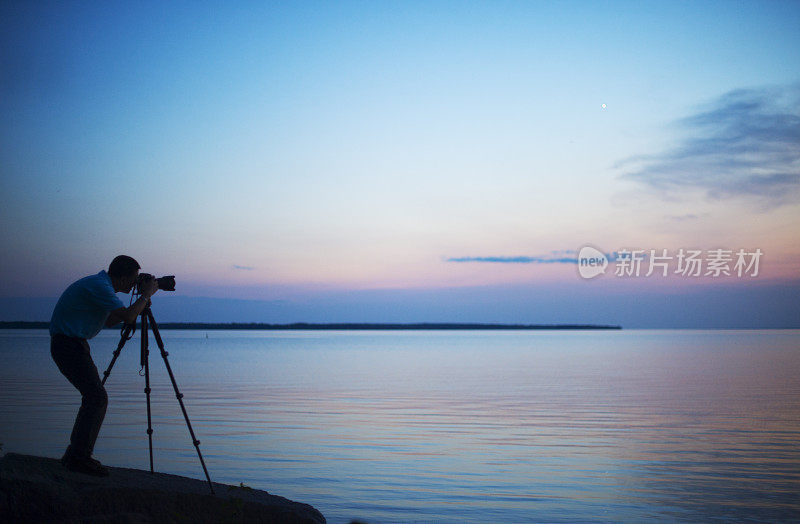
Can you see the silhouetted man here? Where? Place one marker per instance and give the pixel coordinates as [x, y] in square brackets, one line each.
[81, 312]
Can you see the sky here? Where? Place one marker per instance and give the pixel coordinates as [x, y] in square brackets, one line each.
[404, 161]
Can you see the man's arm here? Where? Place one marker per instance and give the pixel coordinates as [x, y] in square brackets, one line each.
[128, 315]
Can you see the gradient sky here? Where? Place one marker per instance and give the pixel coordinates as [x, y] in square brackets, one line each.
[327, 161]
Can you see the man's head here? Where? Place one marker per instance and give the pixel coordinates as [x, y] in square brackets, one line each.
[123, 271]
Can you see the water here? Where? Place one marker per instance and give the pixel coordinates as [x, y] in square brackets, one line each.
[438, 426]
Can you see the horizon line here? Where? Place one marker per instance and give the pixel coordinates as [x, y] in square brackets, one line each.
[355, 326]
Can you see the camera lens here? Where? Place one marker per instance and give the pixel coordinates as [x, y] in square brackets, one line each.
[166, 283]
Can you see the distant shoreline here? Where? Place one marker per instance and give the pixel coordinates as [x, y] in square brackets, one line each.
[345, 326]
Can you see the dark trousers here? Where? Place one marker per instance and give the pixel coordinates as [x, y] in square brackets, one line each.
[72, 357]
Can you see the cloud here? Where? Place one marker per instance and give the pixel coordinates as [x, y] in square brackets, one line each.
[686, 217]
[517, 260]
[745, 144]
[556, 257]
[243, 268]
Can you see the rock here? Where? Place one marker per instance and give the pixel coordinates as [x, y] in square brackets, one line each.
[36, 489]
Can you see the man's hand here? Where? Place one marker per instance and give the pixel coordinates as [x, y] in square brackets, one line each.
[128, 315]
[149, 288]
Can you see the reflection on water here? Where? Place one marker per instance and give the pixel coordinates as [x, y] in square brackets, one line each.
[450, 426]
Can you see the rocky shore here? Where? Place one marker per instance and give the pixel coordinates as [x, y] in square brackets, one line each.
[38, 489]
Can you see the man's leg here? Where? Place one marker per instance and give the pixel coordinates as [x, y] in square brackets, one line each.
[74, 361]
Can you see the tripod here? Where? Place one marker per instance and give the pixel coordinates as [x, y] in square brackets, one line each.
[147, 316]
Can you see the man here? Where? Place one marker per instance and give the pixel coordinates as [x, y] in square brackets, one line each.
[81, 312]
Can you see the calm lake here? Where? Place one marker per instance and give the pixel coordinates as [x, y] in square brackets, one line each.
[448, 426]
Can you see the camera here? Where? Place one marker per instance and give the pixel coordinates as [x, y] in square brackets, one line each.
[164, 283]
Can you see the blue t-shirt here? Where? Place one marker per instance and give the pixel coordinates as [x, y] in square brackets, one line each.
[83, 308]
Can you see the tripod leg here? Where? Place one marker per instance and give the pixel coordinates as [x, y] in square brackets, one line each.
[122, 340]
[145, 358]
[178, 394]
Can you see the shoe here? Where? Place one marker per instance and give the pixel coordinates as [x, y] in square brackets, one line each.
[86, 465]
[68, 456]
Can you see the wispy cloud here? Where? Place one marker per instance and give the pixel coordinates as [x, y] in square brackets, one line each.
[556, 257]
[517, 260]
[243, 268]
[744, 144]
[685, 218]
